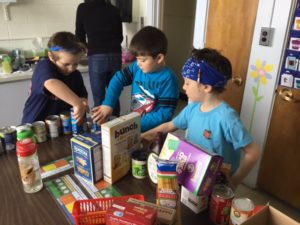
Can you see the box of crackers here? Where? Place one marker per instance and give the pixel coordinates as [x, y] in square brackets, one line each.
[120, 137]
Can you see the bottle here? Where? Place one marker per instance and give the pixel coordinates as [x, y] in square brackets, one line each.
[29, 166]
[6, 65]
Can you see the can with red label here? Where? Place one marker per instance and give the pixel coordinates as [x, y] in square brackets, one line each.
[220, 204]
[241, 210]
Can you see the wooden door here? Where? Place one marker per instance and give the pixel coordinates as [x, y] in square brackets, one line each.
[280, 165]
[230, 30]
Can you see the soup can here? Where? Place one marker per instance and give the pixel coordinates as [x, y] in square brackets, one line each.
[220, 204]
[66, 122]
[40, 131]
[241, 210]
[77, 127]
[139, 164]
[8, 138]
[53, 124]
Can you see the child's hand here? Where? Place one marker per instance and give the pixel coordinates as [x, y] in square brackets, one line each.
[86, 103]
[79, 112]
[148, 140]
[101, 113]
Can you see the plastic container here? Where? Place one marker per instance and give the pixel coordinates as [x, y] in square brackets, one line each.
[29, 166]
[93, 211]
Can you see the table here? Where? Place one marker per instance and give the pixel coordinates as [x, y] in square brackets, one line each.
[19, 208]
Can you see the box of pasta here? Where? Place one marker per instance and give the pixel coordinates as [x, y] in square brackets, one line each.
[87, 157]
[120, 137]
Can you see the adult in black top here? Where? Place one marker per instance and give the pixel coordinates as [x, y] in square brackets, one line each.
[99, 26]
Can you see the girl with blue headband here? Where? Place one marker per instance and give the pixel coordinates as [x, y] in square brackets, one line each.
[209, 121]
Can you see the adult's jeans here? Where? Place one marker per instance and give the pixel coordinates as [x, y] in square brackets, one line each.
[102, 67]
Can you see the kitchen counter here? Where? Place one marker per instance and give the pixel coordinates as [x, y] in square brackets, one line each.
[18, 76]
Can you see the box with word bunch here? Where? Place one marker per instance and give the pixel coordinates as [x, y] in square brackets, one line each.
[87, 157]
[120, 137]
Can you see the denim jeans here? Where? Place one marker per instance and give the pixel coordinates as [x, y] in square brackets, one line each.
[102, 67]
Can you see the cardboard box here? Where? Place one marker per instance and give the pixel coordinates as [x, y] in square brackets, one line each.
[126, 213]
[165, 215]
[196, 203]
[171, 144]
[270, 216]
[120, 137]
[197, 169]
[87, 157]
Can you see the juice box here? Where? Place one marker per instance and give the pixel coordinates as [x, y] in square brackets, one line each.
[197, 169]
[120, 137]
[87, 157]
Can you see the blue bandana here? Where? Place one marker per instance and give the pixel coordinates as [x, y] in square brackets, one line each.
[203, 73]
[55, 48]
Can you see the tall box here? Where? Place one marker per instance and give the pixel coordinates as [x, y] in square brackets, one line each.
[197, 169]
[87, 157]
[120, 137]
[270, 216]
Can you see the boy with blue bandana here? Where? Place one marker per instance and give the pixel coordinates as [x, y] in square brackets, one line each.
[210, 122]
[154, 86]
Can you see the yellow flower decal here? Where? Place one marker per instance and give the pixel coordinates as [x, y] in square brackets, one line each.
[260, 71]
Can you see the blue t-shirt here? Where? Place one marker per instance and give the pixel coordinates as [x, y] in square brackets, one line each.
[153, 95]
[41, 102]
[219, 130]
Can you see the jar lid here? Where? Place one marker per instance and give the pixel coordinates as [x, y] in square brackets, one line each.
[139, 155]
[26, 147]
[24, 134]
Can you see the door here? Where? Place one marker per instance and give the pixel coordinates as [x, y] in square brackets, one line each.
[230, 29]
[280, 165]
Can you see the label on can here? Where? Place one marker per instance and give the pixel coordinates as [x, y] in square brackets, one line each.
[53, 124]
[139, 164]
[77, 128]
[66, 122]
[241, 210]
[220, 204]
[8, 138]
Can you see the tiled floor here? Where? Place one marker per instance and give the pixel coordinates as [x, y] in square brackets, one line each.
[257, 196]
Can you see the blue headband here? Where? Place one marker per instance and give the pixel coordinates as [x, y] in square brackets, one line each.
[203, 73]
[55, 48]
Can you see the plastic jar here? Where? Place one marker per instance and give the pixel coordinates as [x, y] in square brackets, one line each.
[29, 166]
[139, 164]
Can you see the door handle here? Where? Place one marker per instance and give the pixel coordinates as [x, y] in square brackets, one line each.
[237, 80]
[287, 95]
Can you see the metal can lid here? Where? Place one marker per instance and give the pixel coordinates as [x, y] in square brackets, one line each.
[52, 119]
[223, 191]
[7, 130]
[243, 204]
[38, 124]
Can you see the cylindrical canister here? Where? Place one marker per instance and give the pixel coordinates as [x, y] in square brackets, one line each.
[220, 204]
[139, 164]
[77, 127]
[66, 122]
[8, 138]
[29, 166]
[241, 210]
[53, 124]
[40, 131]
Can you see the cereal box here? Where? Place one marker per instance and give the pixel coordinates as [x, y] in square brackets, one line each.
[87, 157]
[126, 213]
[197, 168]
[120, 137]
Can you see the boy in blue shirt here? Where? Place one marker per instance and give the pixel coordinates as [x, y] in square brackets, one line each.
[56, 84]
[155, 88]
[210, 122]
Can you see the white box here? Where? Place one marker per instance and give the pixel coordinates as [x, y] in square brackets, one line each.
[196, 203]
[120, 137]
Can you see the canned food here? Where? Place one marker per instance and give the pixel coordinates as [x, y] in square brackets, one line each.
[53, 124]
[139, 164]
[77, 127]
[220, 204]
[8, 138]
[241, 210]
[40, 131]
[66, 122]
